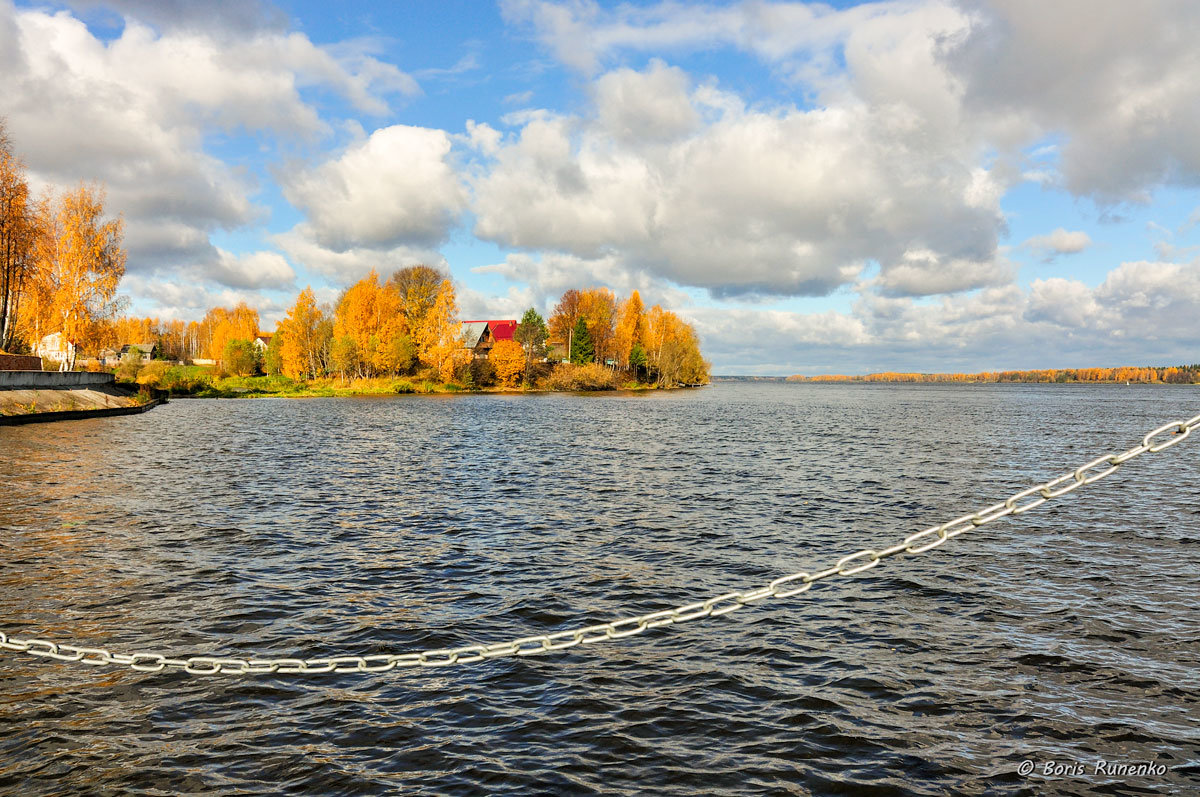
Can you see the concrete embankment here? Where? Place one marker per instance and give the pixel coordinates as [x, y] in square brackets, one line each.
[32, 396]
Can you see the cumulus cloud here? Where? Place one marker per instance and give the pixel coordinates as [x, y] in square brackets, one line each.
[252, 270]
[1142, 313]
[1123, 94]
[347, 265]
[397, 187]
[192, 298]
[750, 202]
[646, 107]
[218, 15]
[1059, 242]
[548, 276]
[133, 112]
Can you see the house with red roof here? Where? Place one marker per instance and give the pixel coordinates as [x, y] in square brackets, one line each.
[481, 336]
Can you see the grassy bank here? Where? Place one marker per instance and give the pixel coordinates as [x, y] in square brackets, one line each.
[205, 382]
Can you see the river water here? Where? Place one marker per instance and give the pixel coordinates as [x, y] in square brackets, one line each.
[1065, 638]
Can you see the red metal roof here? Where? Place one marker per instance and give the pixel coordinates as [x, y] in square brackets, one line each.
[501, 330]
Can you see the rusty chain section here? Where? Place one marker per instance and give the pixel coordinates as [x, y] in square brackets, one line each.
[1158, 440]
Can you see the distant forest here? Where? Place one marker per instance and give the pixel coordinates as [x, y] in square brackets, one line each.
[1176, 374]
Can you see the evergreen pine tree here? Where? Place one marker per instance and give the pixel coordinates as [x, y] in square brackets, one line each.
[581, 344]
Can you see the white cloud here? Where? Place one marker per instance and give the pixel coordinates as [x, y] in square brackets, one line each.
[348, 265]
[1066, 303]
[1123, 97]
[646, 107]
[547, 277]
[133, 112]
[397, 187]
[1059, 242]
[252, 270]
[1143, 313]
[1123, 94]
[189, 300]
[774, 201]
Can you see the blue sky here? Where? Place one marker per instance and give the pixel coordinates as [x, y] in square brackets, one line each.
[928, 186]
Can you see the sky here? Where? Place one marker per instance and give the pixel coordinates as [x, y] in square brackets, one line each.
[935, 185]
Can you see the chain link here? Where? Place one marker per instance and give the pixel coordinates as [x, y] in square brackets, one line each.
[1160, 439]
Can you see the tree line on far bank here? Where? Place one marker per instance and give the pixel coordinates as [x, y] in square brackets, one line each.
[408, 325]
[1177, 374]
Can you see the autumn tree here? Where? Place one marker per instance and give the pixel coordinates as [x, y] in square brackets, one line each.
[78, 264]
[673, 349]
[300, 351]
[344, 357]
[240, 357]
[370, 315]
[566, 313]
[508, 360]
[224, 325]
[531, 333]
[630, 329]
[599, 307]
[417, 288]
[439, 337]
[581, 343]
[18, 236]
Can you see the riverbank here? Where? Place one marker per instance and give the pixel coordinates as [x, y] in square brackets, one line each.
[28, 396]
[203, 382]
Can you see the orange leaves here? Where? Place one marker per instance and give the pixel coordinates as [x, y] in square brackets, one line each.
[439, 339]
[78, 264]
[223, 325]
[299, 331]
[631, 327]
[508, 360]
[598, 306]
[369, 315]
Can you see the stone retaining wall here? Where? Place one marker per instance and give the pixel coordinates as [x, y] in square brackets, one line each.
[51, 380]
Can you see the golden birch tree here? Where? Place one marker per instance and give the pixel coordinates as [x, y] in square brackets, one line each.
[300, 347]
[78, 265]
[439, 340]
[18, 235]
[630, 328]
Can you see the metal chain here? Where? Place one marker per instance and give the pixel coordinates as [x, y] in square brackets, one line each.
[783, 587]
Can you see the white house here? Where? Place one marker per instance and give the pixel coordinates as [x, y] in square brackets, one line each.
[54, 346]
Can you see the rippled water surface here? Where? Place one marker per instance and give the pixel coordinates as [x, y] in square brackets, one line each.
[320, 527]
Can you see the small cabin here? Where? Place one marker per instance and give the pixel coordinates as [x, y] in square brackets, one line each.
[480, 336]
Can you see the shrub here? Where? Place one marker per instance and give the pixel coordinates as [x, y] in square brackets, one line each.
[403, 386]
[130, 367]
[592, 376]
[153, 374]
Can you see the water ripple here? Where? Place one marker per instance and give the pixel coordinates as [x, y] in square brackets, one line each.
[280, 528]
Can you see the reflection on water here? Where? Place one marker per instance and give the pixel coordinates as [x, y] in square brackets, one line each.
[319, 527]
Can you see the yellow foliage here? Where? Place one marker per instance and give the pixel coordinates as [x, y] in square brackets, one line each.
[78, 264]
[299, 330]
[508, 360]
